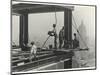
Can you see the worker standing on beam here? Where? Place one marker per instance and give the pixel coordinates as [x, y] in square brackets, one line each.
[55, 36]
[33, 51]
[75, 42]
[61, 37]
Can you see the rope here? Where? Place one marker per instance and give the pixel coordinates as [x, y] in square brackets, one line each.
[49, 36]
[55, 17]
[45, 41]
[56, 24]
[78, 31]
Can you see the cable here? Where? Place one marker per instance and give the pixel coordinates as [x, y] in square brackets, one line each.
[55, 17]
[53, 30]
[45, 41]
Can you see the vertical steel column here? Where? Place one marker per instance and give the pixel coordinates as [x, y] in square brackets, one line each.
[68, 34]
[23, 30]
[68, 25]
[68, 64]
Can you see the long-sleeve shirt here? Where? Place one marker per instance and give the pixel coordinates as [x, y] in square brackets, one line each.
[34, 49]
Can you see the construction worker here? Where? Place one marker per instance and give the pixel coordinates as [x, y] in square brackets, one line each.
[61, 37]
[33, 51]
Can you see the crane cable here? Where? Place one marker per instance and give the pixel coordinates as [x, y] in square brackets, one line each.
[55, 17]
[78, 31]
[55, 30]
[49, 35]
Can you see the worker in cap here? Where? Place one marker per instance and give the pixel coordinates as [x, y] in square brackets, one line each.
[33, 50]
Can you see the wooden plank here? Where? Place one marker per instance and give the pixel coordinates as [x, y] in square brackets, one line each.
[32, 64]
[39, 63]
[23, 59]
[28, 53]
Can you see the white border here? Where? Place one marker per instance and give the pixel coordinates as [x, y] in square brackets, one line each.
[37, 70]
[5, 37]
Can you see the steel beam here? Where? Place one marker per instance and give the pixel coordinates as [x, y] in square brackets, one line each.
[38, 8]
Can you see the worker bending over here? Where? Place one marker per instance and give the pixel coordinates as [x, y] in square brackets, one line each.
[33, 51]
[75, 42]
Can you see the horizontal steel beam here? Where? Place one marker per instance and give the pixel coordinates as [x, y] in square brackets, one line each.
[37, 8]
